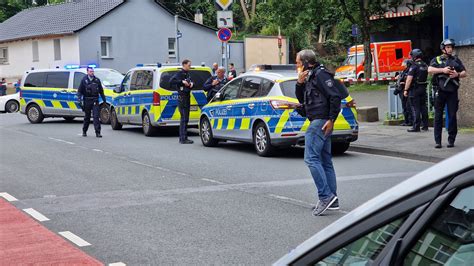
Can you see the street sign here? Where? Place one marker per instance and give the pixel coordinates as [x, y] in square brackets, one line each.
[225, 19]
[224, 4]
[179, 34]
[224, 34]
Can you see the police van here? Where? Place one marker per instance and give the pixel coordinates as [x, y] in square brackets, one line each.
[146, 98]
[53, 92]
[260, 107]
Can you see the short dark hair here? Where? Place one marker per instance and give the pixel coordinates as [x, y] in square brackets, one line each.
[91, 68]
[185, 62]
[232, 64]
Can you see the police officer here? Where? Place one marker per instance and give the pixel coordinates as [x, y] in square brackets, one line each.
[401, 80]
[88, 95]
[446, 70]
[182, 82]
[415, 89]
[316, 88]
[215, 83]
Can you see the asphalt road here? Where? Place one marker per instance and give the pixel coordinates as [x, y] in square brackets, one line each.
[149, 200]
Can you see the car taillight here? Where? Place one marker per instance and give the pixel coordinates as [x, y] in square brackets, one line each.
[156, 99]
[351, 104]
[277, 104]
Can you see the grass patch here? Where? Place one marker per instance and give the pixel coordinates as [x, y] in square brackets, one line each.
[469, 130]
[367, 87]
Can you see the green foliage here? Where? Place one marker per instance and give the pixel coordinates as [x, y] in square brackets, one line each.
[9, 8]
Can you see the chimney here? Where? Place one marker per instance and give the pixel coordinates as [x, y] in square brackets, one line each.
[198, 17]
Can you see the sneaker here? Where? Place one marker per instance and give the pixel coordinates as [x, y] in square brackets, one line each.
[323, 206]
[334, 206]
[84, 134]
[450, 145]
[98, 135]
[424, 128]
[186, 141]
[413, 130]
[438, 146]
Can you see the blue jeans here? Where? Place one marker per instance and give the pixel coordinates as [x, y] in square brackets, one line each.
[318, 157]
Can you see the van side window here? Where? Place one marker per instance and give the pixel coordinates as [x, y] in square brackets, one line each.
[57, 80]
[35, 80]
[78, 76]
[142, 80]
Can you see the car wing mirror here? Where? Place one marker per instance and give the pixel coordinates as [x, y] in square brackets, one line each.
[218, 97]
[117, 89]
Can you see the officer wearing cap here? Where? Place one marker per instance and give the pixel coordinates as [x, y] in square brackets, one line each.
[415, 90]
[182, 83]
[447, 70]
[88, 96]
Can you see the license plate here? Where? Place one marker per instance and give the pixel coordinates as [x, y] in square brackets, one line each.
[193, 108]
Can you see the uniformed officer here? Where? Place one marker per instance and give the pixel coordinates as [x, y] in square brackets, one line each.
[415, 89]
[182, 82]
[215, 83]
[316, 89]
[446, 70]
[88, 95]
[401, 80]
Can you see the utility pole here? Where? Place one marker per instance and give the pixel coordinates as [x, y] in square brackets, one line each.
[176, 17]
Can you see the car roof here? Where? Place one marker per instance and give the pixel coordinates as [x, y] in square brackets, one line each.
[82, 69]
[437, 173]
[276, 76]
[167, 67]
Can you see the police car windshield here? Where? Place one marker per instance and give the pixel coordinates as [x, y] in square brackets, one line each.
[288, 88]
[199, 77]
[109, 77]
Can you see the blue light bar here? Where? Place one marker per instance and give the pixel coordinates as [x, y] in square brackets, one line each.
[139, 65]
[92, 65]
[71, 66]
[158, 64]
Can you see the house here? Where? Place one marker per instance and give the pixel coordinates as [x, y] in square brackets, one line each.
[114, 34]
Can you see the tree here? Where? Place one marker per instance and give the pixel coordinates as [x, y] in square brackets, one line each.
[9, 8]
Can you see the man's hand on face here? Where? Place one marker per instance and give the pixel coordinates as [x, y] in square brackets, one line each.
[215, 82]
[302, 76]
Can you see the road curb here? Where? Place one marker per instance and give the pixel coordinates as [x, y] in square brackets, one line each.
[393, 153]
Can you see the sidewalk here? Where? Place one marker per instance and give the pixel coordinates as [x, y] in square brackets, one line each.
[376, 138]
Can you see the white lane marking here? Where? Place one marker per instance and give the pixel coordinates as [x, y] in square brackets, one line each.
[290, 199]
[63, 141]
[7, 196]
[212, 181]
[97, 150]
[117, 264]
[74, 239]
[392, 157]
[35, 214]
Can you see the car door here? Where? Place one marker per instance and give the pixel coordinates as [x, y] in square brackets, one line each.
[141, 81]
[121, 100]
[221, 109]
[73, 102]
[245, 110]
[55, 93]
[32, 90]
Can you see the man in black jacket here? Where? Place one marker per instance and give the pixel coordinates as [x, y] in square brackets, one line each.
[182, 83]
[215, 83]
[316, 88]
[88, 96]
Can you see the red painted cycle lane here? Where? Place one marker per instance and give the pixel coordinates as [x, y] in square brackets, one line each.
[25, 241]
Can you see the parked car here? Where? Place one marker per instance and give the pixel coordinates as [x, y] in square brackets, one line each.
[425, 220]
[10, 103]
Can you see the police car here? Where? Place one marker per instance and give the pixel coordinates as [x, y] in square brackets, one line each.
[52, 92]
[259, 108]
[146, 98]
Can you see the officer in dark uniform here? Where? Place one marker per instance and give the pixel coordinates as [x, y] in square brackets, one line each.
[215, 83]
[182, 82]
[88, 95]
[446, 70]
[318, 91]
[415, 89]
[401, 80]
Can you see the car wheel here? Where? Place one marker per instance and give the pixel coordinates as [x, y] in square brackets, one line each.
[114, 123]
[34, 114]
[12, 106]
[339, 147]
[205, 132]
[262, 141]
[105, 114]
[69, 118]
[148, 128]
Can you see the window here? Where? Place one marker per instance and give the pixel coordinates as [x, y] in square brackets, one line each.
[365, 249]
[125, 83]
[109, 77]
[142, 80]
[231, 89]
[3, 55]
[399, 53]
[57, 80]
[199, 77]
[35, 51]
[105, 47]
[171, 47]
[35, 80]
[57, 49]
[449, 239]
[78, 76]
[250, 87]
[288, 88]
[267, 85]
